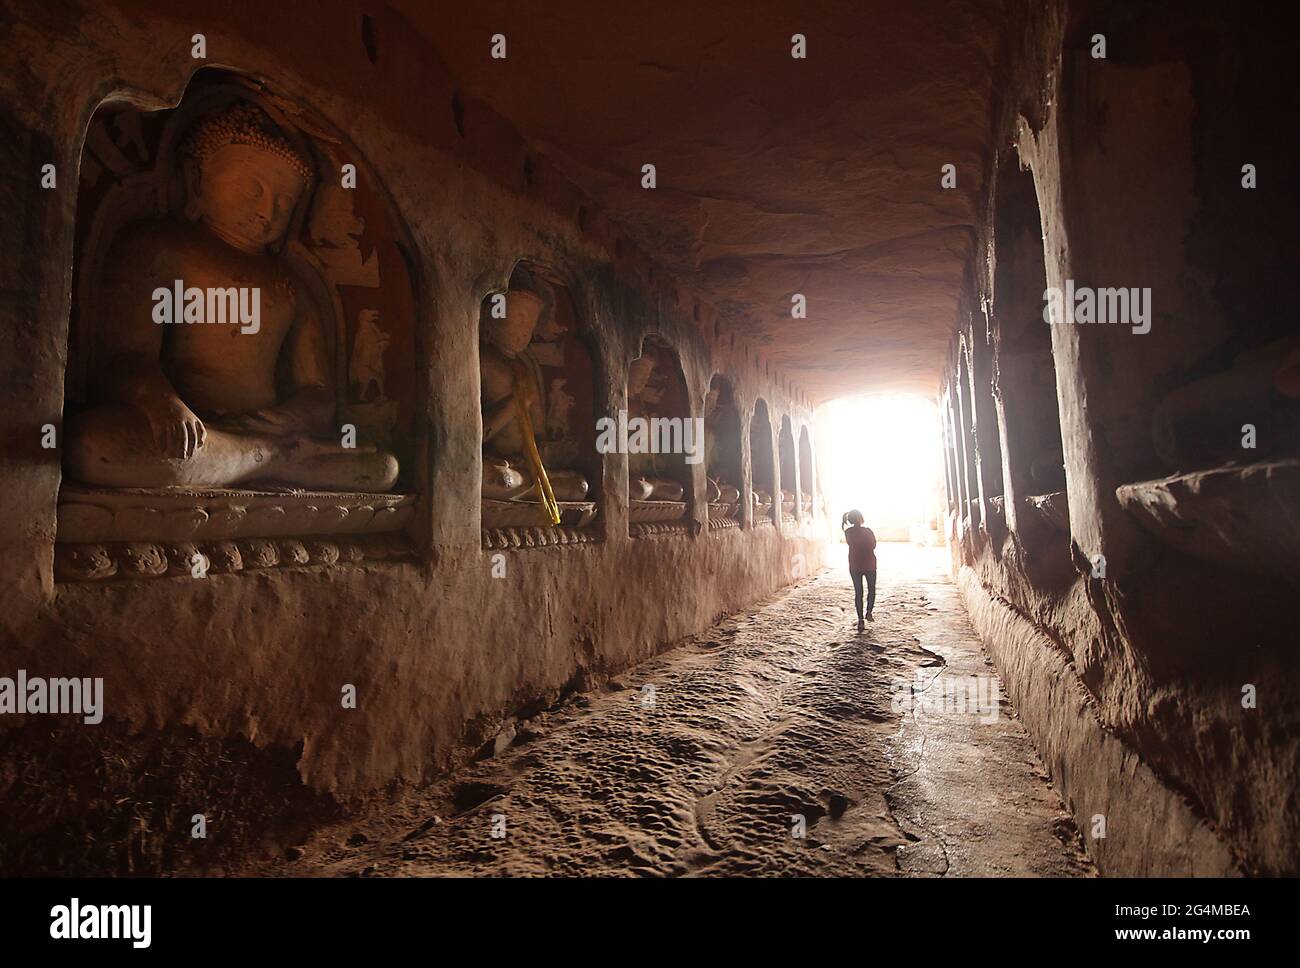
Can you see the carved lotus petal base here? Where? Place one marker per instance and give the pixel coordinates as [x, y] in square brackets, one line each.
[190, 560]
[654, 529]
[501, 539]
[650, 512]
[722, 511]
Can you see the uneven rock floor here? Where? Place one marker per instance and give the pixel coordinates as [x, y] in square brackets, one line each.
[700, 761]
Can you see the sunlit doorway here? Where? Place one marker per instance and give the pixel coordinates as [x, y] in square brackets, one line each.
[882, 454]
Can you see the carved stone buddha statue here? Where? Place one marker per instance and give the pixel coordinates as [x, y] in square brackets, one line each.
[508, 370]
[646, 480]
[203, 403]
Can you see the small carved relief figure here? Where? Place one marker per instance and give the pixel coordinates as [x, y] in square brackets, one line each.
[335, 231]
[559, 404]
[646, 481]
[367, 365]
[202, 404]
[511, 379]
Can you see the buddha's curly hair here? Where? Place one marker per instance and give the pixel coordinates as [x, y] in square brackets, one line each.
[243, 124]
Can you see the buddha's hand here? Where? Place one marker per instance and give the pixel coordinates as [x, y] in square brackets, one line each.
[177, 431]
[275, 422]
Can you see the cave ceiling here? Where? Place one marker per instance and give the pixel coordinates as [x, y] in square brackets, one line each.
[775, 176]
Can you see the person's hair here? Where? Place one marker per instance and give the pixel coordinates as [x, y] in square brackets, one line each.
[853, 517]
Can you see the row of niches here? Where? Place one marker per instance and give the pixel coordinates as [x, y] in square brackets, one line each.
[1217, 439]
[243, 370]
[544, 440]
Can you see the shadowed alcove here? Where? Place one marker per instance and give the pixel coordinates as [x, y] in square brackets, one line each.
[789, 496]
[722, 453]
[541, 469]
[1025, 381]
[762, 471]
[242, 369]
[659, 432]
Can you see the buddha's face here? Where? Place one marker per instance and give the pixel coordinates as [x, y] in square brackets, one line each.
[247, 195]
[549, 328]
[513, 334]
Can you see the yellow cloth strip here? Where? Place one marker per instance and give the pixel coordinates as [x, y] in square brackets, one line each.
[543, 483]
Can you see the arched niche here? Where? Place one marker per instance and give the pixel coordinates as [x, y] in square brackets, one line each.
[538, 385]
[722, 452]
[762, 466]
[789, 490]
[267, 416]
[807, 480]
[983, 394]
[966, 414]
[1025, 373]
[661, 436]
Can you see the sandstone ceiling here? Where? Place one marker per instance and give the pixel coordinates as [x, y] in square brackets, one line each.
[775, 176]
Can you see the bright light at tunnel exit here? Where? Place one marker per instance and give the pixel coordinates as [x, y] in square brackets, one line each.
[882, 454]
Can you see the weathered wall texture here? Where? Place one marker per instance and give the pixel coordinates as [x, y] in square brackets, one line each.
[1132, 679]
[440, 651]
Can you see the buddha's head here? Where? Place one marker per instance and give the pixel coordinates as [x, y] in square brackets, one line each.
[512, 334]
[244, 179]
[550, 327]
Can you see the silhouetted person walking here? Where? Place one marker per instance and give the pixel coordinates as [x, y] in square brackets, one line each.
[862, 562]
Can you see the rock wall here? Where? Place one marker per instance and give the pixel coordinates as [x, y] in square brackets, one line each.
[1139, 613]
[441, 651]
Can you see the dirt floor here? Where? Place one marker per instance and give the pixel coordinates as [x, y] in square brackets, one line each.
[770, 745]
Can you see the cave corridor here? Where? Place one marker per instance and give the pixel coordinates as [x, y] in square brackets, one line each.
[443, 439]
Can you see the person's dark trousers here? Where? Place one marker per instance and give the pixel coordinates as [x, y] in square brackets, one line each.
[857, 577]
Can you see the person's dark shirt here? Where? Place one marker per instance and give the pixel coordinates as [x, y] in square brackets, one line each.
[862, 548]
